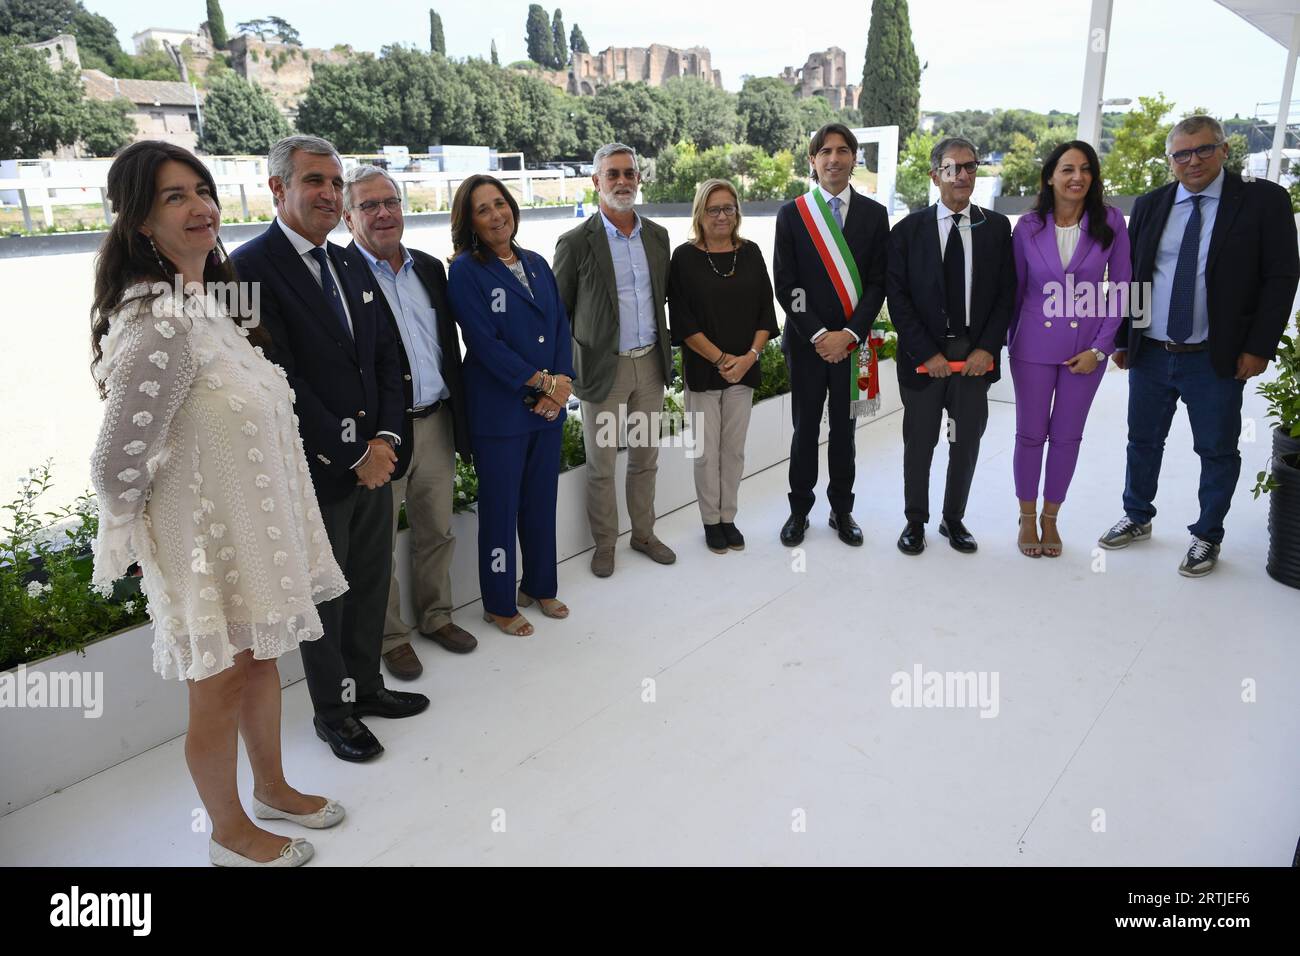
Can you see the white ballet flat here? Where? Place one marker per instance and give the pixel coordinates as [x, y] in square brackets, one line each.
[295, 853]
[327, 816]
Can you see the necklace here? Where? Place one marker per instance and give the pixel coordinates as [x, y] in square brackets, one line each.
[735, 254]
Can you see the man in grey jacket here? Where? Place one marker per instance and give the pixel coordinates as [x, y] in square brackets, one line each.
[612, 273]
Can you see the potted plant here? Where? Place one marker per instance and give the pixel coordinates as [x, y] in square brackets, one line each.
[1282, 481]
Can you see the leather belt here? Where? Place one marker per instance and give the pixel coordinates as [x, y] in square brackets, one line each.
[414, 413]
[638, 352]
[1179, 347]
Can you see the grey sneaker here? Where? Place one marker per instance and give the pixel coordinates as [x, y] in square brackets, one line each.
[1125, 532]
[1201, 559]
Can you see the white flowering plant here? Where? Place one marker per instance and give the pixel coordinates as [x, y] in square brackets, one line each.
[47, 605]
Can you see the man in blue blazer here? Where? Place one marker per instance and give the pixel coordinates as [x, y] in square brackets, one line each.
[322, 311]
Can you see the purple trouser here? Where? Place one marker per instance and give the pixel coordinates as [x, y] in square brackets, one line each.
[1051, 406]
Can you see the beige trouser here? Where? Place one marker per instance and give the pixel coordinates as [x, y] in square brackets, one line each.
[427, 489]
[638, 389]
[720, 420]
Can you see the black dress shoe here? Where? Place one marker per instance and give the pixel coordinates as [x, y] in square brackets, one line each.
[912, 540]
[349, 738]
[793, 529]
[390, 703]
[848, 529]
[957, 535]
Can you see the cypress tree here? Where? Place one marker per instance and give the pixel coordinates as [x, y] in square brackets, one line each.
[437, 42]
[495, 59]
[891, 77]
[558, 41]
[217, 25]
[541, 46]
[578, 42]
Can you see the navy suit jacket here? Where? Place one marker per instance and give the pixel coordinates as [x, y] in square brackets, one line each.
[1251, 268]
[345, 391]
[796, 265]
[509, 336]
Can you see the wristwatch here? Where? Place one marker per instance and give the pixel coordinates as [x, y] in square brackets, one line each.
[1101, 356]
[388, 438]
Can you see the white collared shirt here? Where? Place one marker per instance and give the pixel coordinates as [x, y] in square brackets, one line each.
[844, 215]
[944, 216]
[304, 247]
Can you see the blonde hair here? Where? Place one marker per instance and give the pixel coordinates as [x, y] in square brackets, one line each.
[702, 193]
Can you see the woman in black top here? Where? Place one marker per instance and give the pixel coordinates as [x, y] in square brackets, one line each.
[720, 304]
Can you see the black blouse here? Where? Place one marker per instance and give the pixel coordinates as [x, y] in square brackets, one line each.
[728, 311]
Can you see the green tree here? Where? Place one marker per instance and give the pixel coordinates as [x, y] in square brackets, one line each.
[496, 61]
[769, 114]
[284, 31]
[814, 113]
[240, 118]
[891, 77]
[258, 28]
[704, 114]
[1022, 163]
[40, 109]
[105, 126]
[217, 25]
[31, 21]
[578, 42]
[437, 41]
[559, 44]
[97, 42]
[151, 63]
[541, 45]
[539, 128]
[1238, 150]
[1136, 163]
[913, 183]
[641, 115]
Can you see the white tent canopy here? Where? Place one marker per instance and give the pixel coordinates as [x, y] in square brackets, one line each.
[1278, 19]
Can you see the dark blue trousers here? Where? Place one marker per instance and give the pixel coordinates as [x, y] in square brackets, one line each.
[1156, 381]
[518, 476]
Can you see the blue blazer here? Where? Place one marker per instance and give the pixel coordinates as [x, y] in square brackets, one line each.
[337, 383]
[509, 336]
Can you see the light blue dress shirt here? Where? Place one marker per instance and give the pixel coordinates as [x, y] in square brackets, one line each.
[636, 307]
[417, 321]
[1171, 240]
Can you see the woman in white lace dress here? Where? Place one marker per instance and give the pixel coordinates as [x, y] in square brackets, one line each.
[202, 482]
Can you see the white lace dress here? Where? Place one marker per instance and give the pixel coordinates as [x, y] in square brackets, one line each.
[201, 478]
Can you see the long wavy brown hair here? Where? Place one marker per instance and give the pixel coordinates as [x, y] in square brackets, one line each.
[126, 256]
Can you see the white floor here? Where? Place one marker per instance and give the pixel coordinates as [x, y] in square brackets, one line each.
[1120, 738]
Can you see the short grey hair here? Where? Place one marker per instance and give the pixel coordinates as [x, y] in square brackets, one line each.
[280, 158]
[613, 149]
[946, 146]
[359, 174]
[1192, 125]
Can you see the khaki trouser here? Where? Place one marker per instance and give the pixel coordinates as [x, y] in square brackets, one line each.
[427, 489]
[720, 418]
[638, 389]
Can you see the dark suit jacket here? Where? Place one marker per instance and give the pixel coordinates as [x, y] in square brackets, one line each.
[584, 272]
[345, 391]
[433, 277]
[797, 266]
[918, 294]
[509, 336]
[1250, 272]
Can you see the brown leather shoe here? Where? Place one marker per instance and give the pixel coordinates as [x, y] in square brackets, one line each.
[602, 562]
[656, 549]
[454, 638]
[403, 663]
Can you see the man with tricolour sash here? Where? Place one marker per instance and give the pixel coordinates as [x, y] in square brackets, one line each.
[829, 270]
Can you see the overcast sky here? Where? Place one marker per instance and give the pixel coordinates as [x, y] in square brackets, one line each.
[985, 54]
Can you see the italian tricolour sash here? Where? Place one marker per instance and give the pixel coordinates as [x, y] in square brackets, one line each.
[828, 240]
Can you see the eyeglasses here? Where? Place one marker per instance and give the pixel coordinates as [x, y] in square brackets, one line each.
[613, 174]
[714, 212]
[952, 168]
[1204, 151]
[371, 206]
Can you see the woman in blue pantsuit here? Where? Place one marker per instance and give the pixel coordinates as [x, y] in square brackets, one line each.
[518, 374]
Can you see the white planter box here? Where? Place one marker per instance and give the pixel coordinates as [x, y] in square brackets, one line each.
[44, 750]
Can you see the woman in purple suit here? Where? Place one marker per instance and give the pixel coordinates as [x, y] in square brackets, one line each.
[1063, 328]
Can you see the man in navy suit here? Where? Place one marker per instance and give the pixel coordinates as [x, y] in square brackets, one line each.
[819, 335]
[322, 311]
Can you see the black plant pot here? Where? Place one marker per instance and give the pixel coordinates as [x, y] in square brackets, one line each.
[1284, 511]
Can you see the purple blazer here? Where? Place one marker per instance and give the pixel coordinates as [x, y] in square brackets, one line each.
[1042, 328]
